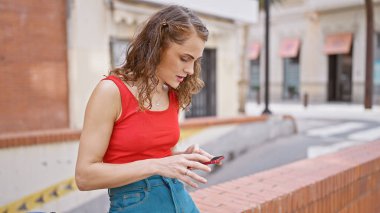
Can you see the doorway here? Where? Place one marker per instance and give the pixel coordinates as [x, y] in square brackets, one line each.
[340, 77]
[204, 103]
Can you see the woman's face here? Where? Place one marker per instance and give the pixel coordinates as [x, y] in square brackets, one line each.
[177, 61]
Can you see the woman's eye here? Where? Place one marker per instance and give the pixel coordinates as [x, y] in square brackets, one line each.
[184, 59]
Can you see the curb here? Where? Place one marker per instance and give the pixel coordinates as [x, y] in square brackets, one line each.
[38, 137]
[59, 135]
[212, 121]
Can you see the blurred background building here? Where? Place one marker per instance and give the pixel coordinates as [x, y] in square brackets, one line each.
[53, 53]
[317, 48]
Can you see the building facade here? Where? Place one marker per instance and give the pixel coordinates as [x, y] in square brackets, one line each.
[317, 48]
[99, 33]
[54, 53]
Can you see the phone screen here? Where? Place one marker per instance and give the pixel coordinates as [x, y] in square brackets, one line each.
[214, 160]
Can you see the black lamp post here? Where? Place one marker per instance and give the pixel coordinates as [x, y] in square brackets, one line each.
[266, 110]
[369, 56]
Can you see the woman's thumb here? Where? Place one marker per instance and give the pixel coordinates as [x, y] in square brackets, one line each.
[196, 148]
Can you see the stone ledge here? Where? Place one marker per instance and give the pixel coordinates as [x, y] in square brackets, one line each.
[38, 137]
[346, 181]
[61, 135]
[212, 121]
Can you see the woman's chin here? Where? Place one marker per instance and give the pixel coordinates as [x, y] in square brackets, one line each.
[173, 85]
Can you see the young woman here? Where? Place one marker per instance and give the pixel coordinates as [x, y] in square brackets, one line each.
[131, 120]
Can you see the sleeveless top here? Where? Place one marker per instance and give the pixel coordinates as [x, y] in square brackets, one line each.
[139, 135]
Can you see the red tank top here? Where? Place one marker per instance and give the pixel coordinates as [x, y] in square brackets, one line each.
[139, 135]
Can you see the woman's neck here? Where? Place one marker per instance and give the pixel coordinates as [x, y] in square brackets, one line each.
[161, 88]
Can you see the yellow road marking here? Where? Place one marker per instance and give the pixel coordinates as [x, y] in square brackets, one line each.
[34, 200]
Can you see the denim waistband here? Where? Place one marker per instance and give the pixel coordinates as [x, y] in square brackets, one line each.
[146, 184]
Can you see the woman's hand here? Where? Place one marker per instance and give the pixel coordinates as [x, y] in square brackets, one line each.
[176, 166]
[195, 149]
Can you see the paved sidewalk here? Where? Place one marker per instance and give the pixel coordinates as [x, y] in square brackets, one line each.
[322, 111]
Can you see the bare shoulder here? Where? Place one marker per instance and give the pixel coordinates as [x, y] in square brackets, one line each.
[100, 115]
[105, 99]
[106, 89]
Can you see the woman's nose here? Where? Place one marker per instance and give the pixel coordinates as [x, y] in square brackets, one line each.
[189, 70]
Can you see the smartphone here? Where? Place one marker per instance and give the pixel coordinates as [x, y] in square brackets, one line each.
[214, 160]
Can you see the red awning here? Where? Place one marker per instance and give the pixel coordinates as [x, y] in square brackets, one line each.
[254, 51]
[289, 47]
[338, 43]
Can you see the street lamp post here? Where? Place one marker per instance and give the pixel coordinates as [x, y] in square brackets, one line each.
[369, 56]
[266, 110]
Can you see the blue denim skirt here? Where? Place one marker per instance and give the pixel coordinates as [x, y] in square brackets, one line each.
[153, 194]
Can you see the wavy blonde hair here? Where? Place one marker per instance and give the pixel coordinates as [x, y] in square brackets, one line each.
[171, 24]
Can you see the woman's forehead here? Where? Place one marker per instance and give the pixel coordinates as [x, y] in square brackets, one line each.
[193, 46]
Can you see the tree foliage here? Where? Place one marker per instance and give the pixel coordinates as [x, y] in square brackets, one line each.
[262, 3]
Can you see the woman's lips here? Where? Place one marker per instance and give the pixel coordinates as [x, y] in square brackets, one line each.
[180, 78]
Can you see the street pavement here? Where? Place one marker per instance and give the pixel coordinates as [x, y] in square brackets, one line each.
[311, 141]
[331, 111]
[322, 129]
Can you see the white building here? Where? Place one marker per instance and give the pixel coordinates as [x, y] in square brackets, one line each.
[316, 48]
[99, 32]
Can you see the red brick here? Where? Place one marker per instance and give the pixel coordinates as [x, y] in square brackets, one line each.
[34, 92]
[334, 185]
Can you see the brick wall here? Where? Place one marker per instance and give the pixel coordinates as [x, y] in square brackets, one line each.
[344, 182]
[33, 65]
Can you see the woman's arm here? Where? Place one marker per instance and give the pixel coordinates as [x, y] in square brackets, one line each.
[103, 109]
[176, 152]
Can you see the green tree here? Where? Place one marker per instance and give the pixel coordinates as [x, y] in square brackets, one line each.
[262, 3]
